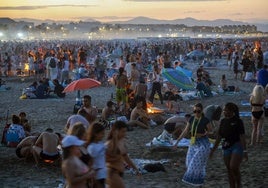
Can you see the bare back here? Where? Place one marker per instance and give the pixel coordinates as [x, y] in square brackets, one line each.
[121, 81]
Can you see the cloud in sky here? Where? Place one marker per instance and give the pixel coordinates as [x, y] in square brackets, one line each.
[41, 7]
[171, 0]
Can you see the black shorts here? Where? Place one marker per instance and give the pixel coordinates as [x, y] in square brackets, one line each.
[257, 114]
[45, 156]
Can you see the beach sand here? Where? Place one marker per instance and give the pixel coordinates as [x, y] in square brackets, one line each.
[53, 113]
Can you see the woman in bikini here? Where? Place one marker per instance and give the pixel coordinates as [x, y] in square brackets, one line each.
[77, 173]
[257, 101]
[117, 156]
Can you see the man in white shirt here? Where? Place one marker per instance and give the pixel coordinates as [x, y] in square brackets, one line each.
[79, 117]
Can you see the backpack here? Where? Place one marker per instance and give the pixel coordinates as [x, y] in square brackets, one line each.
[52, 63]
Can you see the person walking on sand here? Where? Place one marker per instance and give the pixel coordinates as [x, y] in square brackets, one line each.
[76, 172]
[117, 156]
[257, 102]
[232, 132]
[198, 151]
[96, 149]
[156, 85]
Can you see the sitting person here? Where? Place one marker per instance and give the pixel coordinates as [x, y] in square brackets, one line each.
[108, 112]
[30, 92]
[203, 89]
[3, 86]
[58, 90]
[25, 123]
[24, 148]
[46, 147]
[79, 117]
[224, 85]
[41, 90]
[15, 132]
[139, 116]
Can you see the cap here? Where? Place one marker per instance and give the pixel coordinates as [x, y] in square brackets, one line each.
[71, 140]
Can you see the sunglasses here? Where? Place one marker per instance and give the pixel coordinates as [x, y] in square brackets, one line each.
[197, 111]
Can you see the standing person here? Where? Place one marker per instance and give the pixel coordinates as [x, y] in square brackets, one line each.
[257, 102]
[198, 151]
[122, 63]
[232, 131]
[134, 76]
[262, 76]
[77, 173]
[156, 85]
[121, 83]
[65, 71]
[236, 66]
[96, 149]
[92, 111]
[117, 156]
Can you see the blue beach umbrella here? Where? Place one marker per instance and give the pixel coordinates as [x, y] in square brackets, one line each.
[178, 78]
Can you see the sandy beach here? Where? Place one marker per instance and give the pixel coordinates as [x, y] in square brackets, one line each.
[53, 113]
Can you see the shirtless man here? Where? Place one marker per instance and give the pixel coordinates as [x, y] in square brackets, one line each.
[139, 116]
[134, 76]
[24, 148]
[92, 111]
[176, 124]
[108, 111]
[121, 83]
[46, 146]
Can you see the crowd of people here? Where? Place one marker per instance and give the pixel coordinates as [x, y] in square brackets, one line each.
[86, 159]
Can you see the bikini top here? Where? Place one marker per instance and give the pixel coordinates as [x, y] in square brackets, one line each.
[254, 104]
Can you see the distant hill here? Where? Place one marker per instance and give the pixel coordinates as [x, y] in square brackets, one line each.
[6, 21]
[186, 21]
[148, 21]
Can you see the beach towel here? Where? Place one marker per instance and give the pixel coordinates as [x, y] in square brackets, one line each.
[245, 103]
[182, 143]
[245, 114]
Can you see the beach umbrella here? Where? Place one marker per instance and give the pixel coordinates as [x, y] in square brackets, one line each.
[81, 84]
[185, 71]
[178, 78]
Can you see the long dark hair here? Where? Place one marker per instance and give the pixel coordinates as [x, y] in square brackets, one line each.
[113, 135]
[116, 126]
[232, 107]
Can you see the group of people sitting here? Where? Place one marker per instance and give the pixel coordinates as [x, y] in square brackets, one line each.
[83, 156]
[43, 89]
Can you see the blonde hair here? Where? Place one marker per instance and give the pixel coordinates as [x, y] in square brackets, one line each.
[257, 95]
[78, 130]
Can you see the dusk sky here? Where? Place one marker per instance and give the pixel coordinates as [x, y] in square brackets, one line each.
[111, 10]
